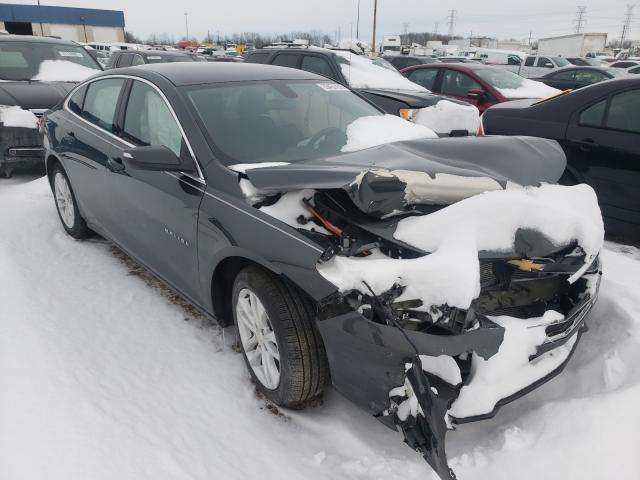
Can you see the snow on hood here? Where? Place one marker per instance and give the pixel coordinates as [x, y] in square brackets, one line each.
[367, 132]
[450, 275]
[529, 89]
[362, 72]
[17, 117]
[445, 116]
[63, 71]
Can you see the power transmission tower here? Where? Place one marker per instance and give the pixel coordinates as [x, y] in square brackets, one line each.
[580, 18]
[451, 18]
[435, 28]
[626, 25]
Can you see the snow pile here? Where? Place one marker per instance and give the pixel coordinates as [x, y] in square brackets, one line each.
[17, 117]
[510, 370]
[243, 167]
[367, 132]
[529, 89]
[363, 72]
[290, 206]
[63, 71]
[455, 234]
[445, 116]
[354, 44]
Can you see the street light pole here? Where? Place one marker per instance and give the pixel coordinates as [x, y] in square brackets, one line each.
[186, 23]
[358, 22]
[375, 13]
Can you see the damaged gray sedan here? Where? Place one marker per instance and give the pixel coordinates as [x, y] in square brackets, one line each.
[430, 280]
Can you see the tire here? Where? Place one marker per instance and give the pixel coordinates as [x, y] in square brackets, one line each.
[302, 364]
[66, 204]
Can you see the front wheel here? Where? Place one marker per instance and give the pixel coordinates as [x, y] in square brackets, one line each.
[66, 204]
[280, 342]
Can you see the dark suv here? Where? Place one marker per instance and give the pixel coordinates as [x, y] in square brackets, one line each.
[131, 58]
[375, 79]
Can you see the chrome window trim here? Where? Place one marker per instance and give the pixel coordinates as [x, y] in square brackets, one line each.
[200, 177]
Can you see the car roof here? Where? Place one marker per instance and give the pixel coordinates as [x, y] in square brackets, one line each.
[33, 39]
[198, 73]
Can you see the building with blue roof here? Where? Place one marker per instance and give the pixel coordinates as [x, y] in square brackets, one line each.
[78, 24]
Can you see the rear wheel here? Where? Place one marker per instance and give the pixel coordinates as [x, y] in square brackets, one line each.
[66, 204]
[280, 342]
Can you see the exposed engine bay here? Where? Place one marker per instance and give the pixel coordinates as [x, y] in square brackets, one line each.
[456, 291]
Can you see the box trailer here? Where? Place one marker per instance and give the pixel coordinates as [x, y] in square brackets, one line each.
[577, 45]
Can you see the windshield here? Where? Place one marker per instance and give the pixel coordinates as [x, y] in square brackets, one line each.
[561, 62]
[499, 78]
[363, 72]
[278, 120]
[22, 61]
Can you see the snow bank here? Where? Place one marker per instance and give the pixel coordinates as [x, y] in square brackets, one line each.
[529, 89]
[445, 116]
[510, 370]
[455, 234]
[367, 132]
[63, 71]
[243, 167]
[362, 72]
[17, 117]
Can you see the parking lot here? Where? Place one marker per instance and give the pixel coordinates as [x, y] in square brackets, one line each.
[316, 256]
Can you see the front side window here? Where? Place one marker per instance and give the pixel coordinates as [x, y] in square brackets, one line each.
[148, 120]
[76, 100]
[564, 75]
[287, 120]
[529, 61]
[590, 76]
[125, 60]
[544, 62]
[624, 112]
[425, 77]
[317, 65]
[137, 60]
[286, 60]
[101, 101]
[458, 84]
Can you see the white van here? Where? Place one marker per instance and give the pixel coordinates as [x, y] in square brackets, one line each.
[499, 57]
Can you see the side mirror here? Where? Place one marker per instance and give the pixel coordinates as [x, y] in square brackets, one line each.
[154, 158]
[476, 93]
[548, 65]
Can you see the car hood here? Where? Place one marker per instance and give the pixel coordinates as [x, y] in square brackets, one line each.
[34, 95]
[527, 161]
[514, 104]
[412, 98]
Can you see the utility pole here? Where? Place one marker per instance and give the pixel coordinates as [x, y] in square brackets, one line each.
[405, 27]
[626, 25]
[375, 15]
[580, 18]
[530, 33]
[186, 23]
[358, 22]
[451, 18]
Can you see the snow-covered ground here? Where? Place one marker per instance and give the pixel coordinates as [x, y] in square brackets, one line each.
[104, 375]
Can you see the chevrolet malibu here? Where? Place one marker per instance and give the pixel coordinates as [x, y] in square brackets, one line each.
[431, 280]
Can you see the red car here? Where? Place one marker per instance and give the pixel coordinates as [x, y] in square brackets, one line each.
[481, 85]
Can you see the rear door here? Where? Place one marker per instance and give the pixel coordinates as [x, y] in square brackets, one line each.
[157, 212]
[320, 65]
[426, 77]
[291, 60]
[563, 80]
[89, 141]
[603, 146]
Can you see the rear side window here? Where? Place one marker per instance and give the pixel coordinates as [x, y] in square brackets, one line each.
[101, 101]
[425, 77]
[317, 65]
[148, 120]
[624, 112]
[258, 57]
[593, 115]
[286, 60]
[565, 75]
[76, 101]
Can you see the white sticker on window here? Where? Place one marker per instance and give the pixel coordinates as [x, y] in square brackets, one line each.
[332, 87]
[70, 54]
[154, 57]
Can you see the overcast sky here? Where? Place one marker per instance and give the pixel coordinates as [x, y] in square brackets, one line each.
[485, 17]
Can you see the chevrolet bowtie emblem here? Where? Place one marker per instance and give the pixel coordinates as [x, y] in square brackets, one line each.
[526, 265]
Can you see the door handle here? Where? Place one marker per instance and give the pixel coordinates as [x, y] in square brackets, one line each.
[115, 165]
[587, 144]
